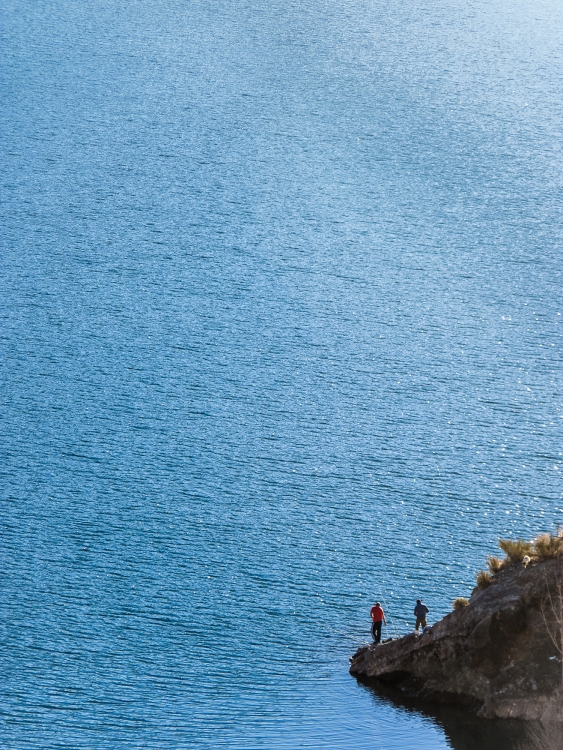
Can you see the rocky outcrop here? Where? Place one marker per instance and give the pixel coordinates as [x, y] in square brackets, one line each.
[495, 655]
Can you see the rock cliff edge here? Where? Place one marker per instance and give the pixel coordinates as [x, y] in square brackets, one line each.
[500, 655]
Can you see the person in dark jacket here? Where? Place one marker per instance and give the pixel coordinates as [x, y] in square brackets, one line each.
[420, 612]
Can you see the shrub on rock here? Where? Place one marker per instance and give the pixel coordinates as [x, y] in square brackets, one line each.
[460, 602]
[515, 549]
[548, 546]
[484, 579]
[495, 564]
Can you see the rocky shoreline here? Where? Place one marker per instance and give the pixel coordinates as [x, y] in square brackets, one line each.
[500, 655]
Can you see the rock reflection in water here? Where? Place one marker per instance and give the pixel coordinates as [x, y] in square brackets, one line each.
[463, 730]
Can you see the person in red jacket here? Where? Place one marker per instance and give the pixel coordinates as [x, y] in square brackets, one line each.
[377, 619]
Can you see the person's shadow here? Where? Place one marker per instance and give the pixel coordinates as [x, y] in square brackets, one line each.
[464, 730]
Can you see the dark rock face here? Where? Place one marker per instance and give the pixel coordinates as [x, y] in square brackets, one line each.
[495, 656]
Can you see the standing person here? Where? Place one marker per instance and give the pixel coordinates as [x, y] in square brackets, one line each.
[420, 611]
[377, 618]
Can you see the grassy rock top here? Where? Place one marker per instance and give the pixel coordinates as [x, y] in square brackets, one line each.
[499, 654]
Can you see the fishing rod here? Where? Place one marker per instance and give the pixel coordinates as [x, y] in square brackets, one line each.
[391, 622]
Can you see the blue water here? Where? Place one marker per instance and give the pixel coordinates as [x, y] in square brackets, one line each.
[281, 332]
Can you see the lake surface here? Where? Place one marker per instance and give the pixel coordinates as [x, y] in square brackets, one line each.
[281, 330]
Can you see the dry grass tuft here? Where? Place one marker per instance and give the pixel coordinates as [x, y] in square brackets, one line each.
[515, 549]
[460, 602]
[484, 579]
[547, 546]
[495, 564]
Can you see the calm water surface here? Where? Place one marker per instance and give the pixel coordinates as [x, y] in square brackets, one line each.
[281, 325]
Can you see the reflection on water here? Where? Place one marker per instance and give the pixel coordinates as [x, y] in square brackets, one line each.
[463, 730]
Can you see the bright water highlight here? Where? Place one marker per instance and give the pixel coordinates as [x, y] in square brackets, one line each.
[281, 324]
